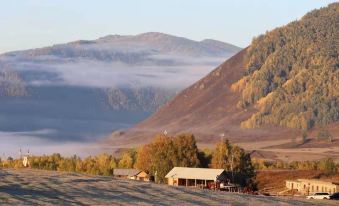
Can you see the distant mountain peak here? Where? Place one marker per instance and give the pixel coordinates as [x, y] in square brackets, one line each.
[111, 46]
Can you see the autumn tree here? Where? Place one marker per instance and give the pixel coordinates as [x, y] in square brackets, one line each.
[235, 161]
[186, 151]
[292, 73]
[327, 165]
[126, 161]
[164, 153]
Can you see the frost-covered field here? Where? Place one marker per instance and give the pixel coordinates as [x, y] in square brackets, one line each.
[34, 187]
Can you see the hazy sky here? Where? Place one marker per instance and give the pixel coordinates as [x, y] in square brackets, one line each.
[36, 23]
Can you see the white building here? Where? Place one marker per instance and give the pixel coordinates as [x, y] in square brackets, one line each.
[310, 186]
[195, 177]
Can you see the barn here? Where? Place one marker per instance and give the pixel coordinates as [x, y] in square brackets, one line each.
[196, 177]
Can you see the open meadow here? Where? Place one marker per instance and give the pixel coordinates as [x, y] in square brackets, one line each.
[37, 187]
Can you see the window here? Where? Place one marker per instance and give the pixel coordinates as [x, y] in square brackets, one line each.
[317, 188]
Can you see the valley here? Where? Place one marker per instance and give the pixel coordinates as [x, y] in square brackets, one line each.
[79, 92]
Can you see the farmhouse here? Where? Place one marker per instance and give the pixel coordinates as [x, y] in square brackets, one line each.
[196, 177]
[132, 174]
[309, 186]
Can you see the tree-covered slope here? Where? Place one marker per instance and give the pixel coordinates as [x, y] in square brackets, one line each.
[292, 73]
[286, 81]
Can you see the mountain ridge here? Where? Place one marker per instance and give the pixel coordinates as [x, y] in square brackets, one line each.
[156, 39]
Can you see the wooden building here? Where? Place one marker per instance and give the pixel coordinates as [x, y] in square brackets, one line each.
[196, 177]
[310, 186]
[132, 174]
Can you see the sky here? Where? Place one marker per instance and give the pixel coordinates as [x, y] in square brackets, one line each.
[28, 24]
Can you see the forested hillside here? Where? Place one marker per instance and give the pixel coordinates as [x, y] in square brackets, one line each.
[283, 84]
[292, 73]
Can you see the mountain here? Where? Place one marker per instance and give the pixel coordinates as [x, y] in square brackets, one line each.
[149, 48]
[285, 82]
[87, 88]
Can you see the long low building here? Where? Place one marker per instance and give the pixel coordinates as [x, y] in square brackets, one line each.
[132, 174]
[309, 186]
[185, 176]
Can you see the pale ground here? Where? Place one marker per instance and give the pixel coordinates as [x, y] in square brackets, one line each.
[292, 154]
[33, 187]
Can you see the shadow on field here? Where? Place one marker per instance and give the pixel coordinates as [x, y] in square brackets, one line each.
[28, 193]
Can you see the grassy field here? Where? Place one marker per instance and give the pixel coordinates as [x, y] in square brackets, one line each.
[36, 187]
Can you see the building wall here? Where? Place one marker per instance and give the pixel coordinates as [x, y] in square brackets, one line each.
[311, 186]
[291, 184]
[172, 181]
[132, 177]
[307, 187]
[143, 176]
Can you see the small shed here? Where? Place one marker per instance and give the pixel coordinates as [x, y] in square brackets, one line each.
[133, 174]
[196, 177]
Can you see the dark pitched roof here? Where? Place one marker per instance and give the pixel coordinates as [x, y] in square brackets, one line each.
[126, 172]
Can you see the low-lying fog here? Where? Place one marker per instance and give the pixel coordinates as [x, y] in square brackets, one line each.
[66, 110]
[32, 143]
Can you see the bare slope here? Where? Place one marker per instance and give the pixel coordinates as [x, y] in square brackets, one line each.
[207, 108]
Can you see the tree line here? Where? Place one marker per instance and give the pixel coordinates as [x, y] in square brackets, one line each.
[156, 158]
[163, 153]
[327, 165]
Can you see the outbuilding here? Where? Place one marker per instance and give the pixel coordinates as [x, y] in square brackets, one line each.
[133, 174]
[196, 177]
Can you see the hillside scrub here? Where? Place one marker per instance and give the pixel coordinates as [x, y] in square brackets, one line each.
[325, 165]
